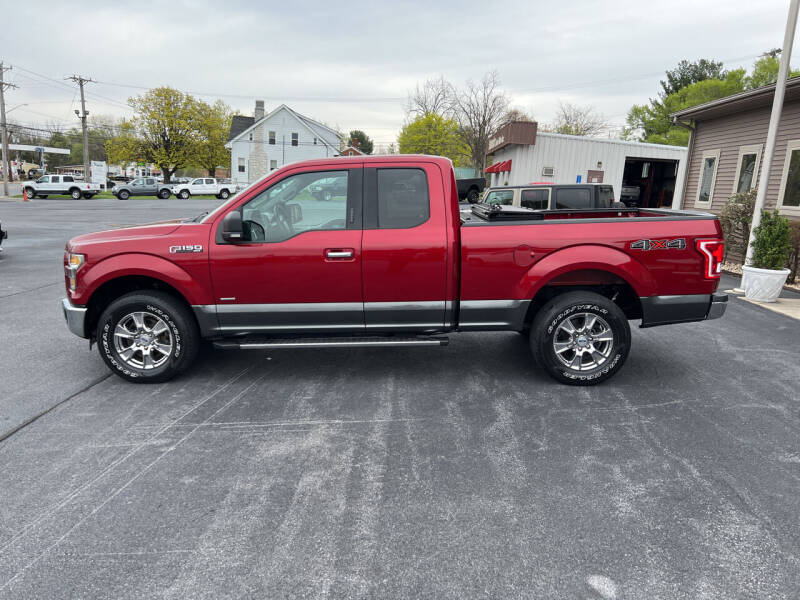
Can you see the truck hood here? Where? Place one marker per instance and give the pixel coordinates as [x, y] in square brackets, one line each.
[128, 233]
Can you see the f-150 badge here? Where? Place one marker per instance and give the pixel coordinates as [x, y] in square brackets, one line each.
[185, 249]
[677, 244]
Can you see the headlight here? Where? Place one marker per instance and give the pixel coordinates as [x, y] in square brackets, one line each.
[74, 262]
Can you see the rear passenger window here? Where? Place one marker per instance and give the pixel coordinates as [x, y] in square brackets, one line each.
[605, 196]
[68, 178]
[535, 199]
[573, 198]
[402, 198]
[150, 181]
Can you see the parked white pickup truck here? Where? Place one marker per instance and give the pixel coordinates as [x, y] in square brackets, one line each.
[61, 185]
[204, 186]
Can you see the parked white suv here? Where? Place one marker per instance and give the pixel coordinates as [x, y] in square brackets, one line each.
[204, 186]
[57, 185]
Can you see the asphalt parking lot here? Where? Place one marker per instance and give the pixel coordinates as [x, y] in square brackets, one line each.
[393, 473]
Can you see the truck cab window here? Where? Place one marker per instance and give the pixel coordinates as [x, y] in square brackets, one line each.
[605, 196]
[573, 198]
[535, 199]
[315, 201]
[402, 198]
[502, 197]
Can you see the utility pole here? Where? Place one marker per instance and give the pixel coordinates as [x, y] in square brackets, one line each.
[4, 126]
[81, 81]
[774, 120]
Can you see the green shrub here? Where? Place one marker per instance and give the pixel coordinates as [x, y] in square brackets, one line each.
[772, 241]
[735, 220]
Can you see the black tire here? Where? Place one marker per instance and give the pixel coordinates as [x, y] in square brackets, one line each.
[30, 193]
[42, 195]
[473, 195]
[181, 335]
[224, 194]
[123, 194]
[164, 194]
[569, 310]
[88, 196]
[184, 194]
[75, 193]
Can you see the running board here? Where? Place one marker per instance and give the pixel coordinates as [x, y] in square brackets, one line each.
[331, 342]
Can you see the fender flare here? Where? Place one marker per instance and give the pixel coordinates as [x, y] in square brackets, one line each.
[586, 257]
[145, 265]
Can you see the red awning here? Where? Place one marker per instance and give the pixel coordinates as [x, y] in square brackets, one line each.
[499, 167]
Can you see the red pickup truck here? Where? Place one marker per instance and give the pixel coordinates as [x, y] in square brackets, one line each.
[386, 259]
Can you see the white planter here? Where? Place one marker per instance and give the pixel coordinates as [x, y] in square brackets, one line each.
[763, 285]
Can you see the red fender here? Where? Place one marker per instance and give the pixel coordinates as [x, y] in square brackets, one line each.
[595, 257]
[146, 265]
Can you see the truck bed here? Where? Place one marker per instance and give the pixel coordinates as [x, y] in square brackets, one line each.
[482, 215]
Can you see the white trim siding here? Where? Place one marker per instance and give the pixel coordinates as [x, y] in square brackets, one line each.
[791, 147]
[744, 151]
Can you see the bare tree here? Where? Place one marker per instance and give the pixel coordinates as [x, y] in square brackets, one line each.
[480, 109]
[435, 96]
[516, 114]
[579, 120]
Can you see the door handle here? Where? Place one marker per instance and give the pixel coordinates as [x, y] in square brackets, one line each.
[339, 253]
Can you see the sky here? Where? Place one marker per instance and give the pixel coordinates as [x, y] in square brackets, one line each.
[351, 64]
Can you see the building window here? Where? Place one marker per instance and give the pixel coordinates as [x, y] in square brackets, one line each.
[272, 138]
[241, 165]
[294, 139]
[708, 176]
[273, 164]
[747, 168]
[789, 195]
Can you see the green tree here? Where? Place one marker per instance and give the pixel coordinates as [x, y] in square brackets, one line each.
[765, 70]
[687, 73]
[163, 131]
[652, 123]
[434, 134]
[213, 123]
[365, 144]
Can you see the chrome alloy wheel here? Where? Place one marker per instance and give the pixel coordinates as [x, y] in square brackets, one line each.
[143, 340]
[583, 341]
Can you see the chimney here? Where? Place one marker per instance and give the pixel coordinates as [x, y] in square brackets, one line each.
[258, 113]
[354, 143]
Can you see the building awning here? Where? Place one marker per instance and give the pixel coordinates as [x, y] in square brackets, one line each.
[499, 167]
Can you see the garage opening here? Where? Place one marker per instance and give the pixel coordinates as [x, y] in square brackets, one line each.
[648, 183]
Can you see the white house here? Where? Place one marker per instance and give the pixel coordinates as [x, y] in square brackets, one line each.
[646, 175]
[263, 143]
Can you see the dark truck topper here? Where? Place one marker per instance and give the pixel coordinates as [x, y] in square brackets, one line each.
[384, 258]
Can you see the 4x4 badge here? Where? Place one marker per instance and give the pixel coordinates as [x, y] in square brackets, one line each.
[676, 244]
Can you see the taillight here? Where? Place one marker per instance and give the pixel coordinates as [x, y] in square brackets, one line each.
[713, 252]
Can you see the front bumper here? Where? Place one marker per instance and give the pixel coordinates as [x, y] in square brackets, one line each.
[75, 317]
[666, 310]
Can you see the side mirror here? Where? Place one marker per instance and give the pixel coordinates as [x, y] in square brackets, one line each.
[232, 227]
[295, 213]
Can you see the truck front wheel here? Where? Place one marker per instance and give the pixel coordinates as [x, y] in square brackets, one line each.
[147, 337]
[580, 338]
[184, 194]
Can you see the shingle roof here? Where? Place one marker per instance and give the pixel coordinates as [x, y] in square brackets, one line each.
[238, 124]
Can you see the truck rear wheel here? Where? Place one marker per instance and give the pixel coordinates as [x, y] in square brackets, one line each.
[473, 195]
[147, 337]
[163, 194]
[580, 338]
[224, 194]
[75, 193]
